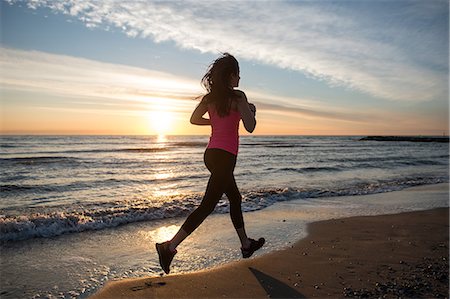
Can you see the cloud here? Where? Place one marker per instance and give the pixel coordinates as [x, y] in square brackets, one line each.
[77, 77]
[352, 44]
[80, 83]
[302, 112]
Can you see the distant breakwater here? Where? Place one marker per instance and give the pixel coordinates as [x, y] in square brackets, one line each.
[407, 138]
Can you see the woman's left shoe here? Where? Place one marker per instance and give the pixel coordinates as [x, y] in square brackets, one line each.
[254, 245]
[165, 255]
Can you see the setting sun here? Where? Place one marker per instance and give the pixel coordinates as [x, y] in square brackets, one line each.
[161, 121]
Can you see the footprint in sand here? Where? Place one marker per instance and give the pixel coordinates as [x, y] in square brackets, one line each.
[147, 285]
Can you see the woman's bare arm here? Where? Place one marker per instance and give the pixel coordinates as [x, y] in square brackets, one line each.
[247, 112]
[197, 116]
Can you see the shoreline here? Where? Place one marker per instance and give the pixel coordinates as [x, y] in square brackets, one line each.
[394, 255]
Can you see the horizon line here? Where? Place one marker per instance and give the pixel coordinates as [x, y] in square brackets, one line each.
[246, 135]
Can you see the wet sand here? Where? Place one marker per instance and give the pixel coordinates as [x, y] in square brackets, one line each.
[390, 256]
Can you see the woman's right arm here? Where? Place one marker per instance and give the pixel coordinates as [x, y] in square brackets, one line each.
[197, 116]
[244, 108]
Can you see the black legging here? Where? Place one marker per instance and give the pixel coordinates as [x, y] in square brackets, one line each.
[221, 165]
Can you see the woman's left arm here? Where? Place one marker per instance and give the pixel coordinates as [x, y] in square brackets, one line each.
[197, 116]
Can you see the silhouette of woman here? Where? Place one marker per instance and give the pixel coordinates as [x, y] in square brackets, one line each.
[226, 106]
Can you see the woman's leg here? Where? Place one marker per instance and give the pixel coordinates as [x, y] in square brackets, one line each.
[206, 207]
[235, 198]
[221, 165]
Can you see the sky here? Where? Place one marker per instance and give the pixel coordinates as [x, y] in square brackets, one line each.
[311, 67]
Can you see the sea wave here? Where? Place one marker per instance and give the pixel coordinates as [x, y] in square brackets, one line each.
[95, 216]
[38, 160]
[15, 188]
[430, 158]
[303, 169]
[163, 147]
[361, 164]
[187, 144]
[86, 151]
[8, 146]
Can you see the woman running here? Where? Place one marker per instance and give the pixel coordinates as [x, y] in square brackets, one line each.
[226, 107]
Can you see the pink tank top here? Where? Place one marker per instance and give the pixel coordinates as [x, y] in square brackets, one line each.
[225, 131]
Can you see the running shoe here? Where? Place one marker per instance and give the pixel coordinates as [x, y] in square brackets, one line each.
[165, 255]
[254, 245]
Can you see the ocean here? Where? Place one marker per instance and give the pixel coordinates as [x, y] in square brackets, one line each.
[75, 209]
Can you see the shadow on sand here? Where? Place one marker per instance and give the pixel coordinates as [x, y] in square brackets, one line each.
[273, 287]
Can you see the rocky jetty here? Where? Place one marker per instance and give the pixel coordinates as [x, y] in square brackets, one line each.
[407, 138]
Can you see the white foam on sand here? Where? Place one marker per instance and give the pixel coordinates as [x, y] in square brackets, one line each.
[76, 265]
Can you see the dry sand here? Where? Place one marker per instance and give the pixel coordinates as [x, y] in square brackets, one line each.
[390, 256]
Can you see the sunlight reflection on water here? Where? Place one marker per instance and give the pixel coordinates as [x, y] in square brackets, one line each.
[162, 234]
[161, 138]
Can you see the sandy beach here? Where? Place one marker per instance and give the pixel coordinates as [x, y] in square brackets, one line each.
[401, 255]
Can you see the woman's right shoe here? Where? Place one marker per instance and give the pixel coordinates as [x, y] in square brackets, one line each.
[165, 255]
[254, 245]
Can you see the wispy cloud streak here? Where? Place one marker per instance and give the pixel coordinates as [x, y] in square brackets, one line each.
[88, 84]
[336, 43]
[77, 77]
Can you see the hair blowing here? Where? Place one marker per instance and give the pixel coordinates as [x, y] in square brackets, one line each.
[217, 83]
